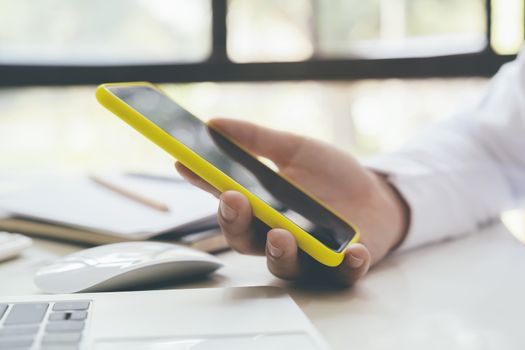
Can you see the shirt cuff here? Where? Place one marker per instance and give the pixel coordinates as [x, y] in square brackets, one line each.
[435, 212]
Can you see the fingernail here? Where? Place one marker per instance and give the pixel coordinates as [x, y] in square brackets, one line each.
[355, 262]
[227, 212]
[275, 252]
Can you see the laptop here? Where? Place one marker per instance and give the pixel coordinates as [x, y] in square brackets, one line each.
[196, 319]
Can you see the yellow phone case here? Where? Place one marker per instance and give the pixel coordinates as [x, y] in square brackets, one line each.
[217, 178]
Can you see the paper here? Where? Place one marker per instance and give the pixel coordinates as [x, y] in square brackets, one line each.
[82, 203]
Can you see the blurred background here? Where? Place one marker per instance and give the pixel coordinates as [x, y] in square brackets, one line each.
[361, 75]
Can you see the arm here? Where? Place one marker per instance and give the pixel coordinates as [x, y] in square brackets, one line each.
[454, 176]
[461, 173]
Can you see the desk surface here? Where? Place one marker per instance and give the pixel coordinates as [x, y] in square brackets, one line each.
[462, 294]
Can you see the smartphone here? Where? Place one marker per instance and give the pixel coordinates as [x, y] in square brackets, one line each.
[277, 201]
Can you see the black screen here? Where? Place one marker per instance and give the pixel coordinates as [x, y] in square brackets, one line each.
[239, 165]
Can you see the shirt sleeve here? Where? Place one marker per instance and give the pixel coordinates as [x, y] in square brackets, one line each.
[458, 174]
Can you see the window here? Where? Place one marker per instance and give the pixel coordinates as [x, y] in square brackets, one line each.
[95, 32]
[54, 42]
[508, 25]
[265, 30]
[400, 28]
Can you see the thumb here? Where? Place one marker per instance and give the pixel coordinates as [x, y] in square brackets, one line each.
[279, 146]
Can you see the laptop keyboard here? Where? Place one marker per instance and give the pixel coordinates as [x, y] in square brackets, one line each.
[44, 326]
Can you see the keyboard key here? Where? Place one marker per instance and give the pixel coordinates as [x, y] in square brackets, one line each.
[3, 307]
[64, 326]
[71, 305]
[78, 315]
[60, 338]
[73, 315]
[58, 316]
[7, 331]
[26, 313]
[16, 342]
[59, 347]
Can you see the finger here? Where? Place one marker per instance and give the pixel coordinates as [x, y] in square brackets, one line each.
[186, 172]
[195, 179]
[235, 219]
[355, 264]
[278, 146]
[282, 254]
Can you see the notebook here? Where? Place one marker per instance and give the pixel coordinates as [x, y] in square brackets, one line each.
[80, 209]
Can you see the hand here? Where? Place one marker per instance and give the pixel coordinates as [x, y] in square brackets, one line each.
[335, 178]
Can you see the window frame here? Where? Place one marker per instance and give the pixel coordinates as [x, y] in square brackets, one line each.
[218, 67]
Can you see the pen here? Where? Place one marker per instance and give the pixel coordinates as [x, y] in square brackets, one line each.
[130, 195]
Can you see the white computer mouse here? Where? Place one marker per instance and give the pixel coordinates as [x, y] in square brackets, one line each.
[123, 265]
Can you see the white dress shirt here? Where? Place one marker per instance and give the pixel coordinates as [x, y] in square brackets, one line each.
[461, 173]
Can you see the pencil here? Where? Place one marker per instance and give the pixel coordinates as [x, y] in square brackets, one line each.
[130, 195]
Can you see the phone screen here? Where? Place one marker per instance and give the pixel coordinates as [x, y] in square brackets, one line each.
[238, 164]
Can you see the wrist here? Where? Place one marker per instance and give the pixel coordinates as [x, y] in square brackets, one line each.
[397, 210]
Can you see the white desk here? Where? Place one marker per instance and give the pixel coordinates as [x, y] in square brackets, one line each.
[463, 294]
